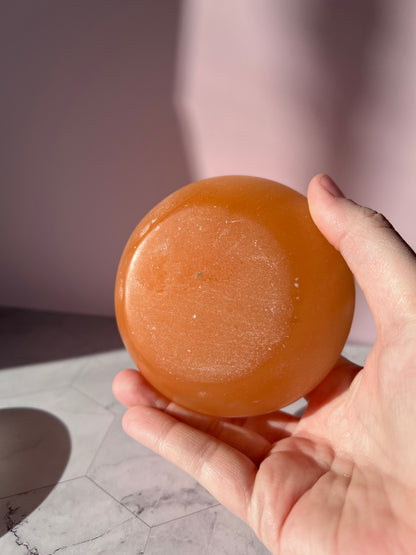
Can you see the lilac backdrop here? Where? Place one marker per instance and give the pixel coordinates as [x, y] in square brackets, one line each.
[108, 106]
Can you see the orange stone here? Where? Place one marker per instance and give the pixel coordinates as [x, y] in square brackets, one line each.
[229, 299]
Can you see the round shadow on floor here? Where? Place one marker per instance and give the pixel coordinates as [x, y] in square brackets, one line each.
[34, 450]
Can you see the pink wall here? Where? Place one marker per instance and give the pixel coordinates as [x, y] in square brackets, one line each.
[107, 106]
[90, 143]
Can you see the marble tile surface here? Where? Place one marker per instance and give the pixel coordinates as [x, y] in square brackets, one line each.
[213, 531]
[77, 517]
[35, 449]
[149, 486]
[98, 372]
[86, 423]
[71, 481]
[38, 377]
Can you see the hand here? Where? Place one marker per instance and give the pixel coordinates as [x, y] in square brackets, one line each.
[342, 478]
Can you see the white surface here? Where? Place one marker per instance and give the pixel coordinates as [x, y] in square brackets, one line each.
[106, 494]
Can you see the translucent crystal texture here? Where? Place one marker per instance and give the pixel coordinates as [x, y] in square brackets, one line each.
[229, 299]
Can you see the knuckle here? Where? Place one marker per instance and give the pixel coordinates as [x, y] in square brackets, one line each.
[376, 218]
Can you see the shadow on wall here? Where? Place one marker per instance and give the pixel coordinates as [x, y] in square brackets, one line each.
[274, 88]
[35, 450]
[341, 36]
[90, 142]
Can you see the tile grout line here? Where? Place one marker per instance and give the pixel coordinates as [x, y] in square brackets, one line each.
[79, 372]
[51, 486]
[90, 397]
[117, 501]
[204, 509]
[101, 443]
[152, 526]
[83, 363]
[33, 392]
[146, 542]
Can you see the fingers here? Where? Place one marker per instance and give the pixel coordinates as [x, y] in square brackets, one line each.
[246, 440]
[252, 436]
[274, 427]
[131, 389]
[383, 264]
[223, 470]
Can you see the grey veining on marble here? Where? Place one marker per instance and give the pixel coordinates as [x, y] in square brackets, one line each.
[212, 532]
[75, 518]
[162, 492]
[71, 481]
[149, 486]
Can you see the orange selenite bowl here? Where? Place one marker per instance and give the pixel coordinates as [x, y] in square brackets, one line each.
[229, 299]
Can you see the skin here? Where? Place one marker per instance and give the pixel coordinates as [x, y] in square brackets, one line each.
[342, 478]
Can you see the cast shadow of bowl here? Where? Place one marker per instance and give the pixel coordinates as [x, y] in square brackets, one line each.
[34, 450]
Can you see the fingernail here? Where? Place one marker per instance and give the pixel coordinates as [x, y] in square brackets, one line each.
[330, 186]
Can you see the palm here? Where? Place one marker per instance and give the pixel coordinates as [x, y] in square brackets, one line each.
[316, 500]
[323, 481]
[301, 483]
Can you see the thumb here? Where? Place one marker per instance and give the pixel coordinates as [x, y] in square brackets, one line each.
[382, 263]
